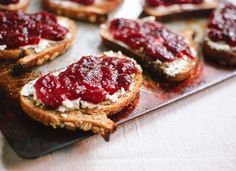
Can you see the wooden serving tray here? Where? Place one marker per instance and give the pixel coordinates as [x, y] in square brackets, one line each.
[31, 139]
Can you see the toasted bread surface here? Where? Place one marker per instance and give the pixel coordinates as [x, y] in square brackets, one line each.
[22, 5]
[27, 57]
[94, 119]
[219, 52]
[96, 13]
[180, 11]
[173, 71]
[11, 54]
[12, 84]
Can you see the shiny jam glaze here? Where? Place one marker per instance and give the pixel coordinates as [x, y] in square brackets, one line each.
[151, 38]
[91, 79]
[7, 2]
[20, 29]
[156, 3]
[84, 2]
[222, 24]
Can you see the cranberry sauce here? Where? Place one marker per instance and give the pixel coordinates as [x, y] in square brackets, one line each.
[150, 38]
[7, 2]
[222, 24]
[84, 2]
[91, 79]
[20, 29]
[156, 3]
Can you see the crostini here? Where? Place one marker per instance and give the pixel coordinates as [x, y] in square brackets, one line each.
[220, 41]
[94, 11]
[167, 55]
[32, 39]
[14, 5]
[82, 95]
[175, 9]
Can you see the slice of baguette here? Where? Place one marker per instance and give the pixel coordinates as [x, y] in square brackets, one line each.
[173, 71]
[22, 5]
[180, 11]
[94, 119]
[220, 52]
[28, 57]
[96, 13]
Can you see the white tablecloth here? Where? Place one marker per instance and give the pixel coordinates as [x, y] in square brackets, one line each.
[196, 133]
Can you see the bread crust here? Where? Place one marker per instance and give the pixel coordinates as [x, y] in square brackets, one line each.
[77, 120]
[182, 12]
[157, 70]
[27, 58]
[11, 54]
[97, 13]
[221, 56]
[85, 119]
[22, 5]
[12, 84]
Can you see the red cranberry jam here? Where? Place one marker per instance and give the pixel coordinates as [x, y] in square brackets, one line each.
[156, 3]
[20, 29]
[7, 2]
[91, 79]
[151, 38]
[222, 25]
[84, 2]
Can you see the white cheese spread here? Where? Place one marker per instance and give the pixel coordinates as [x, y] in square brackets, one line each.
[177, 66]
[179, 7]
[42, 45]
[221, 46]
[3, 47]
[71, 3]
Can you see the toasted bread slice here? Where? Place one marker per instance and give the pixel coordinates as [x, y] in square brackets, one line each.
[12, 84]
[96, 13]
[22, 5]
[173, 71]
[220, 52]
[27, 56]
[94, 119]
[164, 13]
